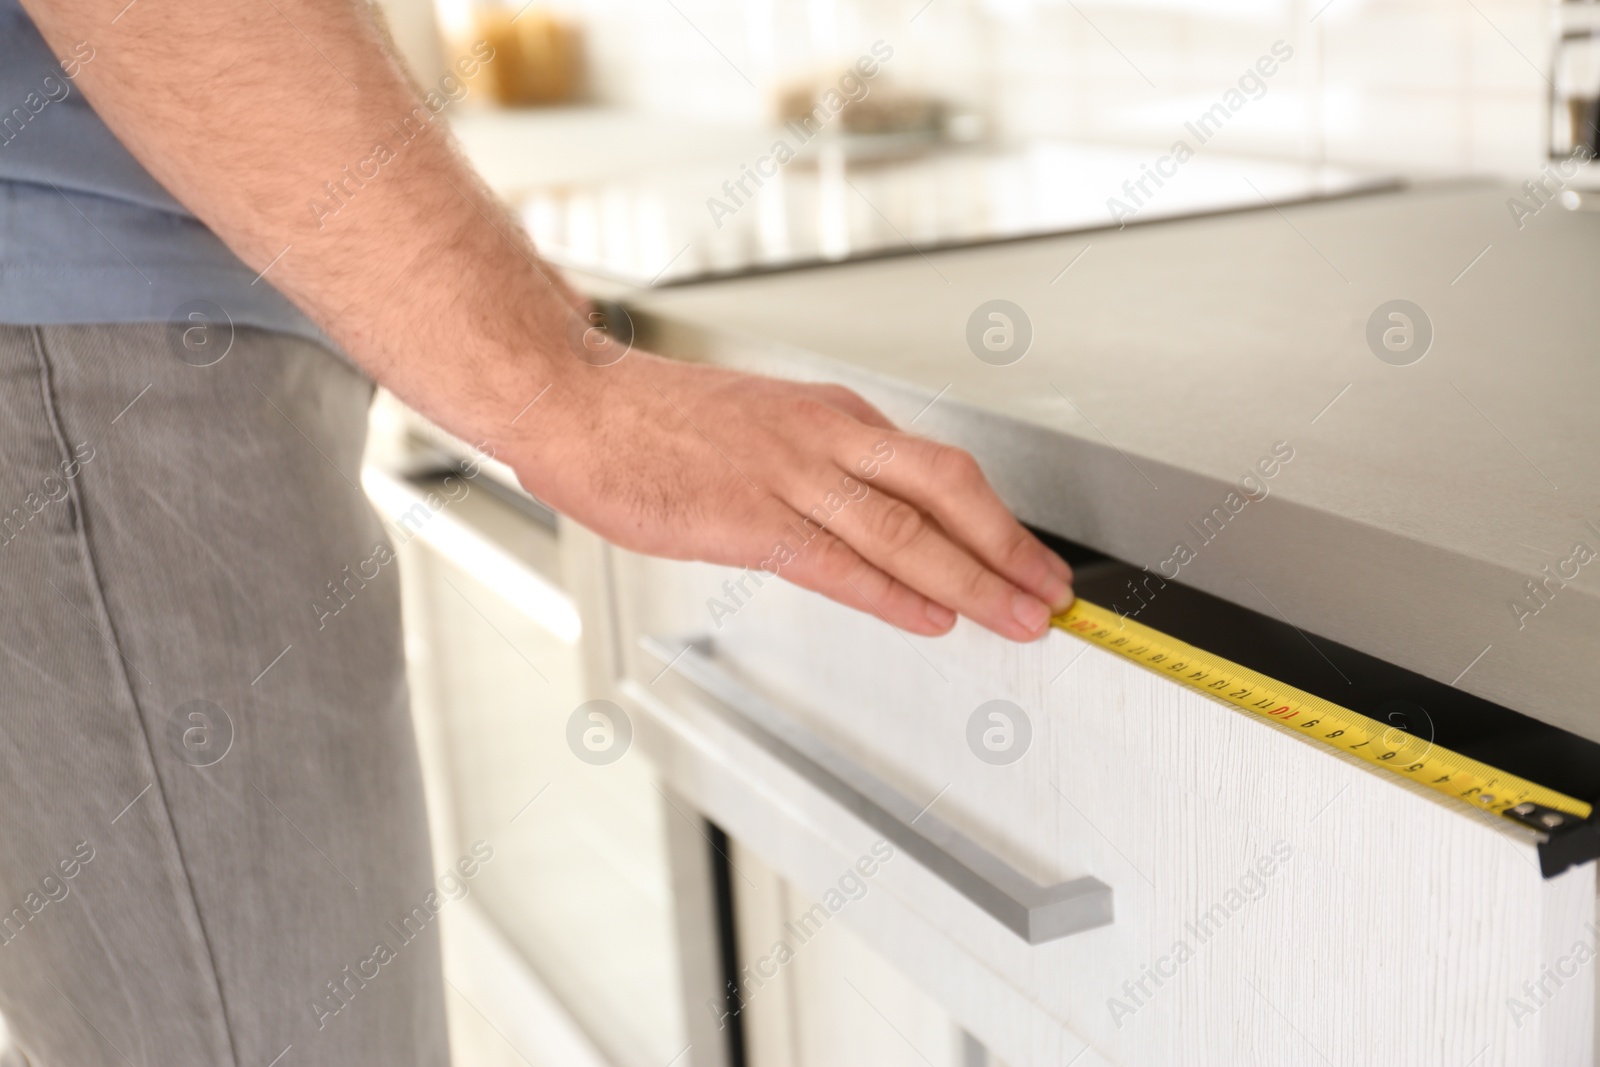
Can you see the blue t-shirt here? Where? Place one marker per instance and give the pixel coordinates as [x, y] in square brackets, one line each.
[86, 234]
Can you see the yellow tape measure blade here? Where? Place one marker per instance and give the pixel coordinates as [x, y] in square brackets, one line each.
[1417, 759]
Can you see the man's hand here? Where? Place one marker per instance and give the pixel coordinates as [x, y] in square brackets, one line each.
[809, 482]
[248, 113]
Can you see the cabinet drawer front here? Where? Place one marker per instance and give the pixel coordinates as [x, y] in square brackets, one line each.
[1036, 913]
[1275, 902]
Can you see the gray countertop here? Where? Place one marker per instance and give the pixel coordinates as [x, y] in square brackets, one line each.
[1168, 359]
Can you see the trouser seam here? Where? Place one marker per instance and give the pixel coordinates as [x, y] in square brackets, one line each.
[101, 606]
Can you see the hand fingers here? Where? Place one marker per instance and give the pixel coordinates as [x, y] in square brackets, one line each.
[948, 484]
[817, 560]
[893, 535]
[851, 403]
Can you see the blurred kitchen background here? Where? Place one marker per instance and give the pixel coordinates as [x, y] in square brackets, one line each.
[612, 123]
[606, 927]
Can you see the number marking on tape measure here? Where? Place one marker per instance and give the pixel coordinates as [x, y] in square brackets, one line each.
[1397, 751]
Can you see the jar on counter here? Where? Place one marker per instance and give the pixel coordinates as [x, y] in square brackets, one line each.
[535, 53]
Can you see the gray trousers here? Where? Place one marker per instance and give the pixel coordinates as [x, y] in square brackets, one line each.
[213, 847]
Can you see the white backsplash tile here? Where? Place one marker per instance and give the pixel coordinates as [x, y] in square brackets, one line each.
[1436, 87]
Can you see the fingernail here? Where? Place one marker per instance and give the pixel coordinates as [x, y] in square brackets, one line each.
[1057, 593]
[939, 615]
[1030, 611]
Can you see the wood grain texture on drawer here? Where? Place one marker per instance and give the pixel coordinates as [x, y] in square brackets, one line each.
[1275, 902]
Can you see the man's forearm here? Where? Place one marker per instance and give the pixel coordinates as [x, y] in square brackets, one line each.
[245, 112]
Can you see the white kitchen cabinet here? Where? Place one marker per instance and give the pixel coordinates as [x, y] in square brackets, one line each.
[822, 997]
[1156, 879]
[1160, 879]
[586, 934]
[1271, 902]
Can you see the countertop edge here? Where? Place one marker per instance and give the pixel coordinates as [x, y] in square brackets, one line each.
[1069, 485]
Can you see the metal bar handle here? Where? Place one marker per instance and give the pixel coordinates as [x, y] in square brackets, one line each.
[1033, 912]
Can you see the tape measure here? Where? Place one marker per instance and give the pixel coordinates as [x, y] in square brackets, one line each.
[1396, 751]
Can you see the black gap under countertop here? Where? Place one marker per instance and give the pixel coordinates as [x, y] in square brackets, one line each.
[1470, 725]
